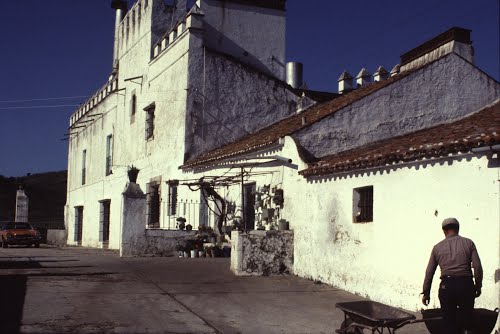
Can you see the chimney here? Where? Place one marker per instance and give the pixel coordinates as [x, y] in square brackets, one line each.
[456, 40]
[345, 82]
[380, 74]
[363, 78]
[395, 70]
[294, 74]
[121, 8]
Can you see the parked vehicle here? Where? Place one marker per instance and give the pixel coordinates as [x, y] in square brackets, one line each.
[19, 234]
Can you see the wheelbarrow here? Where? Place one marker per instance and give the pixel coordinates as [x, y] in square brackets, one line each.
[483, 320]
[377, 318]
[374, 317]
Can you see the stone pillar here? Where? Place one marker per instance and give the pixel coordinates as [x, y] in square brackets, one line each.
[237, 253]
[22, 204]
[133, 239]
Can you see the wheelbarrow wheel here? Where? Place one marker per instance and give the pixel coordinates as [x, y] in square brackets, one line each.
[345, 328]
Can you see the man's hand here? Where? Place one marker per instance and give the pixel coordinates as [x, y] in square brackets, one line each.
[425, 300]
[478, 292]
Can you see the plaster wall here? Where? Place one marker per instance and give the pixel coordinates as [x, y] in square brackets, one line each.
[446, 90]
[230, 100]
[163, 82]
[255, 35]
[385, 260]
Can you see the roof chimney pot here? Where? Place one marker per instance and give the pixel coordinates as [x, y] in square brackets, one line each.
[363, 78]
[380, 74]
[294, 74]
[345, 82]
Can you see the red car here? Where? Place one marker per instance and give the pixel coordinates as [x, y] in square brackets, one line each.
[19, 234]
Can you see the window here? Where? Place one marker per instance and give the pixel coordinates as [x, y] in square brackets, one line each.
[78, 225]
[104, 214]
[363, 205]
[153, 204]
[109, 154]
[133, 107]
[150, 121]
[84, 169]
[172, 197]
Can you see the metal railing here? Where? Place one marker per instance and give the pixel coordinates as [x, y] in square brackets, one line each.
[195, 213]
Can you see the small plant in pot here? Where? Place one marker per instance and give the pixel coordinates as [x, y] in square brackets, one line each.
[181, 223]
[132, 173]
[208, 250]
[180, 249]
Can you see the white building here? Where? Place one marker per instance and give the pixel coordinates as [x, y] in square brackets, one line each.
[367, 178]
[185, 80]
[363, 178]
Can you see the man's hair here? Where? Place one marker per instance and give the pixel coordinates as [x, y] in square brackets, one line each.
[454, 227]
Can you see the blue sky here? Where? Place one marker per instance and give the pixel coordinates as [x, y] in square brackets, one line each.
[63, 49]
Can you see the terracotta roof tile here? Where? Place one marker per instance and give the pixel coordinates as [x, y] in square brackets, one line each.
[477, 130]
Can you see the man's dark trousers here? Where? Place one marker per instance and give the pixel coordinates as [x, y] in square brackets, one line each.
[456, 295]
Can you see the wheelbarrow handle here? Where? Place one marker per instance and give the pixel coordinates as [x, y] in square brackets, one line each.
[415, 321]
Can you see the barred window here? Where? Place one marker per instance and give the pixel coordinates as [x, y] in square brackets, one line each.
[150, 121]
[363, 205]
[172, 197]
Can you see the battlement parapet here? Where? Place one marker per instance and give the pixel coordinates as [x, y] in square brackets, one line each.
[193, 20]
[109, 88]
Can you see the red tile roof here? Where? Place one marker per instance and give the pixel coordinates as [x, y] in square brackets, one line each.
[478, 130]
[272, 133]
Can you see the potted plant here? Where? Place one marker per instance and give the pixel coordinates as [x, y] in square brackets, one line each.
[180, 250]
[208, 250]
[187, 250]
[132, 173]
[181, 223]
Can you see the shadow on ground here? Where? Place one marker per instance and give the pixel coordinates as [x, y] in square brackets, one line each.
[13, 290]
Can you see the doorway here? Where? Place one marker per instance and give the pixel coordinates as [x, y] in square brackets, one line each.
[249, 206]
[78, 225]
[104, 221]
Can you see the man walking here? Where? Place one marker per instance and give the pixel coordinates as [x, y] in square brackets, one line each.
[457, 291]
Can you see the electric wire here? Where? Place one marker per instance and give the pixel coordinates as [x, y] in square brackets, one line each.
[37, 107]
[46, 99]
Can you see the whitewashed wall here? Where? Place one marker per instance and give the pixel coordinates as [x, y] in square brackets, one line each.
[446, 90]
[167, 80]
[386, 260]
[254, 34]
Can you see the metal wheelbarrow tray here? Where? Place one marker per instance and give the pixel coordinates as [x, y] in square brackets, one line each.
[372, 316]
[484, 320]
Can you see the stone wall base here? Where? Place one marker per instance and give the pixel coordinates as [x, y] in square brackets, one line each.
[262, 253]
